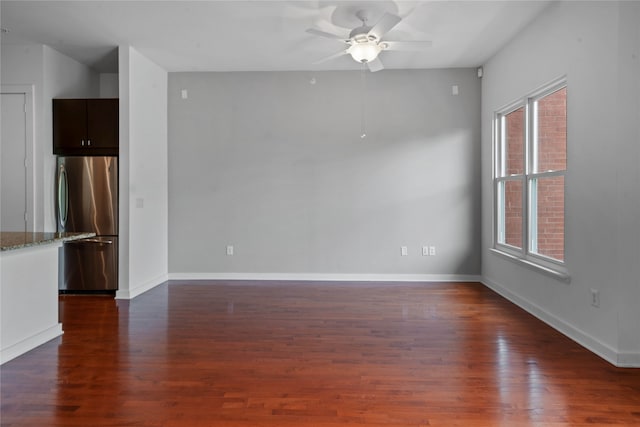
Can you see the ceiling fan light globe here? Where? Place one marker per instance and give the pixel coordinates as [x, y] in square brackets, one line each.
[364, 52]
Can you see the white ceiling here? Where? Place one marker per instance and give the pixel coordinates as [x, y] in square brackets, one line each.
[262, 35]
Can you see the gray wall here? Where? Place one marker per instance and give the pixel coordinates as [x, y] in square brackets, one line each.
[597, 46]
[274, 165]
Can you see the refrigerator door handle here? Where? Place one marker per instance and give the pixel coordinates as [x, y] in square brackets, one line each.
[63, 196]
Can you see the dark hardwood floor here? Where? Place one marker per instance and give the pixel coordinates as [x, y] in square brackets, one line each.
[312, 354]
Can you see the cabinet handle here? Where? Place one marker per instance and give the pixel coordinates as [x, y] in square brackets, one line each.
[88, 142]
[82, 142]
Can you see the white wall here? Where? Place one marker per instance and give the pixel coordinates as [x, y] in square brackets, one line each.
[274, 165]
[63, 78]
[109, 86]
[143, 174]
[628, 184]
[52, 74]
[597, 46]
[22, 65]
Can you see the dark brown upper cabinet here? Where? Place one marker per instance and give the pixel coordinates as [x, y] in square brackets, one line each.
[85, 127]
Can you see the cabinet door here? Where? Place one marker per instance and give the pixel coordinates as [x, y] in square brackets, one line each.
[102, 123]
[69, 124]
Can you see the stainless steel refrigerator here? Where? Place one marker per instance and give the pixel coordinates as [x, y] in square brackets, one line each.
[87, 201]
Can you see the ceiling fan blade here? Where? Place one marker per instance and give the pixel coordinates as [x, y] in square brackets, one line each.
[329, 58]
[407, 46]
[375, 65]
[321, 33]
[386, 23]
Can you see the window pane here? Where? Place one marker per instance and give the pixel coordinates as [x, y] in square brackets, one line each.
[551, 144]
[547, 217]
[514, 142]
[511, 213]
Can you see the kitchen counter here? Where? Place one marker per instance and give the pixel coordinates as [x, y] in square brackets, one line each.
[29, 271]
[12, 240]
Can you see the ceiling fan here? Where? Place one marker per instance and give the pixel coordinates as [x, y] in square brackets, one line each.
[364, 43]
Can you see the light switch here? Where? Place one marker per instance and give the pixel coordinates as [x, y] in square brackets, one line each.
[139, 203]
[184, 94]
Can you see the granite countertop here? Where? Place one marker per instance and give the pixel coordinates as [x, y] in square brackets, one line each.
[12, 240]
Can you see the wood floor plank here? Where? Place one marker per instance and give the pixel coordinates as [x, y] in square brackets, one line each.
[239, 354]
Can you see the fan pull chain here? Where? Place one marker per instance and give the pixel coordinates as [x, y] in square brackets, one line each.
[363, 82]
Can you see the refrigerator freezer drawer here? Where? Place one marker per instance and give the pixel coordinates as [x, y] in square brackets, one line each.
[90, 264]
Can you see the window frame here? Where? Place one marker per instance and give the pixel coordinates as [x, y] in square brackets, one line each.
[529, 178]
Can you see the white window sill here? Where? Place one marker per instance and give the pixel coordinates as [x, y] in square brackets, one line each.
[556, 274]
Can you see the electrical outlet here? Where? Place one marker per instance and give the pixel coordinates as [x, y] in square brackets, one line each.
[229, 250]
[425, 251]
[595, 297]
[432, 250]
[404, 251]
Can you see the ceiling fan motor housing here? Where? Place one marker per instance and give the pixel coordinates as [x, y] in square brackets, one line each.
[361, 34]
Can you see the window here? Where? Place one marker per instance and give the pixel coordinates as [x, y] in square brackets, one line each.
[529, 177]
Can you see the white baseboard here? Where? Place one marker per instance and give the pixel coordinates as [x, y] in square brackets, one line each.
[329, 277]
[622, 360]
[628, 360]
[28, 344]
[141, 288]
